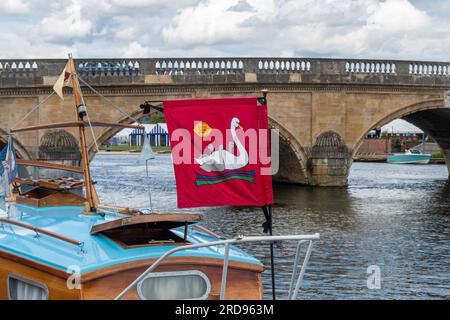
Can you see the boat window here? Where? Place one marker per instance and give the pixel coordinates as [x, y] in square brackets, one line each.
[181, 285]
[20, 288]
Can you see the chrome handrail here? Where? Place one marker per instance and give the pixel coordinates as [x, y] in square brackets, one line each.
[293, 292]
[43, 231]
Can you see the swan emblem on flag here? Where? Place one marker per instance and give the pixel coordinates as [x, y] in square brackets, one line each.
[221, 160]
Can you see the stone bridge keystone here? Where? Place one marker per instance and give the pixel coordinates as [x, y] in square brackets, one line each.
[323, 108]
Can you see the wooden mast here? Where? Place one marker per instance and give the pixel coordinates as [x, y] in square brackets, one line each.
[90, 192]
[92, 203]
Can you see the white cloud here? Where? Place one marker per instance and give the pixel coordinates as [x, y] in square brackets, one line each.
[66, 25]
[14, 7]
[126, 33]
[397, 29]
[136, 50]
[149, 3]
[207, 23]
[135, 3]
[395, 16]
[367, 28]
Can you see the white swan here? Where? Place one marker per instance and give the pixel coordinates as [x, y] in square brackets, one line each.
[220, 160]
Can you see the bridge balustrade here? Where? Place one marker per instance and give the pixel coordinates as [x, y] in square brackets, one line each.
[17, 65]
[283, 65]
[176, 67]
[435, 69]
[386, 67]
[32, 72]
[109, 68]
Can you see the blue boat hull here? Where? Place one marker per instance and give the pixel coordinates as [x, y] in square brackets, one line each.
[409, 158]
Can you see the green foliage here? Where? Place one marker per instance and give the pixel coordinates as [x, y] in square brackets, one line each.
[158, 118]
[437, 155]
[396, 143]
[145, 120]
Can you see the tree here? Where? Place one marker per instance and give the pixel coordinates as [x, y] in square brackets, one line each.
[158, 118]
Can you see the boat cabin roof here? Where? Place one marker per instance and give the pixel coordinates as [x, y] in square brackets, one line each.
[99, 249]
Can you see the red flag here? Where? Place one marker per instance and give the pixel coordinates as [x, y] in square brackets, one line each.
[220, 150]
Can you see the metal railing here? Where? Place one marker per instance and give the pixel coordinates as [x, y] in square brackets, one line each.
[295, 279]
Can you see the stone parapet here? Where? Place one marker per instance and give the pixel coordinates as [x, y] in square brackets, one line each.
[36, 72]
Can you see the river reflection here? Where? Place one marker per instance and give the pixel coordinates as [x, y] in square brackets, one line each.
[393, 216]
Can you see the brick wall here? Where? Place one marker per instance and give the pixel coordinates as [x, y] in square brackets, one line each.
[384, 146]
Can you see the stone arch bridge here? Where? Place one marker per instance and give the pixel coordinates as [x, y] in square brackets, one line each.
[323, 108]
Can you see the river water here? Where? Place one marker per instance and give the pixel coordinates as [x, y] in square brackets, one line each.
[394, 217]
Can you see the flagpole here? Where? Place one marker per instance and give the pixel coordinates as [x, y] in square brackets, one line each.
[272, 260]
[267, 210]
[90, 191]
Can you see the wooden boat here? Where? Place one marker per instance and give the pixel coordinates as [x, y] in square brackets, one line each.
[58, 242]
[107, 249]
[107, 256]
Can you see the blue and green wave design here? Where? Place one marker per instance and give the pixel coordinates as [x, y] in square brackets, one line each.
[227, 176]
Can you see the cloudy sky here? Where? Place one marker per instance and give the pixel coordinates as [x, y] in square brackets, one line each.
[401, 29]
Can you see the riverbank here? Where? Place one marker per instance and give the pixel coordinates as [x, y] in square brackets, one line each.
[370, 158]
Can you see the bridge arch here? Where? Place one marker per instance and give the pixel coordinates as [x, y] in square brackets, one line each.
[401, 113]
[293, 158]
[331, 155]
[432, 116]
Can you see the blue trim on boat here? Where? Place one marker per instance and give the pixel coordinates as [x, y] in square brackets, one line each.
[408, 158]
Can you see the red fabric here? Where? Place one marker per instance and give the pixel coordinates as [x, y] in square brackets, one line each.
[244, 186]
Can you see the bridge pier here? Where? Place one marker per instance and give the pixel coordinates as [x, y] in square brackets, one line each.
[330, 161]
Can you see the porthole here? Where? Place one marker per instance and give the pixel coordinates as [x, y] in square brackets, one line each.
[181, 285]
[21, 288]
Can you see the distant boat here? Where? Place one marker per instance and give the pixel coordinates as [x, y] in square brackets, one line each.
[409, 157]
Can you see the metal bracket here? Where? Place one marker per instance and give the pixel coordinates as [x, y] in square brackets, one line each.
[81, 246]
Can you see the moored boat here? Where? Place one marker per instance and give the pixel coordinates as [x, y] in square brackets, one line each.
[57, 241]
[409, 157]
[96, 257]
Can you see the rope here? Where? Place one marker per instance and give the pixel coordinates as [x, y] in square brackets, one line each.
[114, 198]
[126, 115]
[108, 100]
[35, 107]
